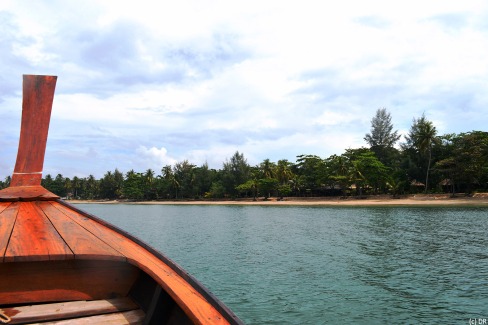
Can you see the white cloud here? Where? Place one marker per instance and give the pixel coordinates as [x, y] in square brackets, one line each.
[273, 79]
[155, 158]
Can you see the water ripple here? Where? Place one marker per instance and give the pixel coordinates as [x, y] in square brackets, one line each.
[311, 265]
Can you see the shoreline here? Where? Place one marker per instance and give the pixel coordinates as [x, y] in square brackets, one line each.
[477, 200]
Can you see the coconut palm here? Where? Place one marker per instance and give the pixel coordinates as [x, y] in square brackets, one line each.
[422, 136]
[170, 177]
[283, 171]
[267, 168]
[149, 191]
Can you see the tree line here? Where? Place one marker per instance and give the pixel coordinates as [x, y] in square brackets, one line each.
[423, 162]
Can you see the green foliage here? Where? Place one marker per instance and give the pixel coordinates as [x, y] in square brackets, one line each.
[5, 183]
[235, 172]
[284, 190]
[382, 134]
[283, 171]
[111, 185]
[467, 165]
[420, 140]
[249, 187]
[184, 174]
[361, 168]
[382, 138]
[204, 178]
[312, 171]
[217, 190]
[58, 185]
[460, 163]
[266, 186]
[134, 186]
[92, 188]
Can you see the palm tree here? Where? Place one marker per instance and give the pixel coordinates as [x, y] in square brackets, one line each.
[338, 171]
[283, 171]
[68, 186]
[267, 168]
[148, 183]
[356, 176]
[167, 172]
[297, 183]
[91, 187]
[170, 177]
[422, 135]
[76, 186]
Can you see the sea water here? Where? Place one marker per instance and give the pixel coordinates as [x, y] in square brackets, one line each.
[325, 265]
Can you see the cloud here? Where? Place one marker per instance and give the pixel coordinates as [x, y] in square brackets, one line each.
[13, 46]
[155, 157]
[151, 82]
[124, 56]
[373, 21]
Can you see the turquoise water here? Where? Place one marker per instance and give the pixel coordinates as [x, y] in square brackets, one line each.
[323, 265]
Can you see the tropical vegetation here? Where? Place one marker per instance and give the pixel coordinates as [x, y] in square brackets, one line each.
[424, 162]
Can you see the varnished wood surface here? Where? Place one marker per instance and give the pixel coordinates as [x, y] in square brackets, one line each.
[26, 193]
[193, 303]
[132, 317]
[83, 243]
[46, 246]
[34, 238]
[68, 310]
[37, 100]
[36, 231]
[8, 214]
[49, 281]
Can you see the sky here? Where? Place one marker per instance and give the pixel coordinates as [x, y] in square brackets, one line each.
[144, 84]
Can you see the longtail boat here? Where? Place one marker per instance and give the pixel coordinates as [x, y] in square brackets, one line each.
[61, 265]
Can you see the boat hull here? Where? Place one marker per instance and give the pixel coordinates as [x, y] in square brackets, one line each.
[58, 253]
[58, 263]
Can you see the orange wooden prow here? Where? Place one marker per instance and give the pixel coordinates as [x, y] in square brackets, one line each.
[37, 101]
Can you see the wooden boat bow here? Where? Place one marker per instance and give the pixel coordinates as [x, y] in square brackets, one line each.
[53, 253]
[37, 101]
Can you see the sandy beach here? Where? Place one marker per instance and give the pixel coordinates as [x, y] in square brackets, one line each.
[480, 199]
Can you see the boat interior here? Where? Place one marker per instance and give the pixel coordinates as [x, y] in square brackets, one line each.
[96, 292]
[61, 265]
[69, 275]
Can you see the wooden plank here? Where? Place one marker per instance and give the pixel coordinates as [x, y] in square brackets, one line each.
[133, 317]
[82, 243]
[198, 309]
[7, 221]
[3, 206]
[64, 310]
[26, 193]
[50, 281]
[34, 238]
[37, 101]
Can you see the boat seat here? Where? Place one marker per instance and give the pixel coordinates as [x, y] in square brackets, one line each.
[110, 311]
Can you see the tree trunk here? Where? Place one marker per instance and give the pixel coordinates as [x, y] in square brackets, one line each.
[428, 169]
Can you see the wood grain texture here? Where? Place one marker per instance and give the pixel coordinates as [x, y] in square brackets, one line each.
[26, 193]
[49, 281]
[3, 206]
[37, 100]
[64, 310]
[198, 309]
[82, 243]
[133, 317]
[34, 238]
[8, 215]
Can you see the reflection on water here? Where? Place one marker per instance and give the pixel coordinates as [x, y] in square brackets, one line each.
[311, 265]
